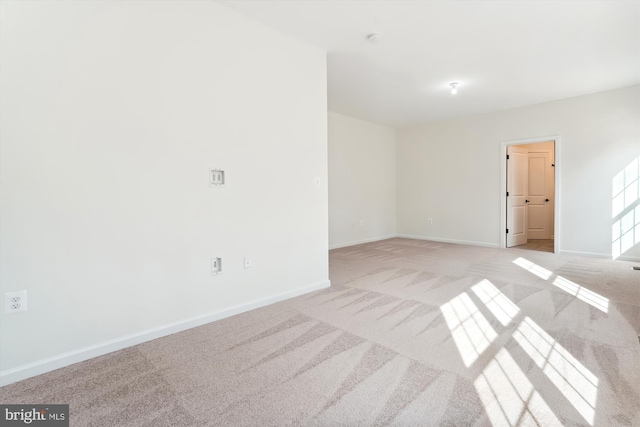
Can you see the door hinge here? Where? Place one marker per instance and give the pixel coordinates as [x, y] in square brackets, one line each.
[507, 194]
[507, 231]
[507, 157]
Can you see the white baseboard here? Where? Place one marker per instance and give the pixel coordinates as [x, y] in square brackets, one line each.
[459, 242]
[583, 254]
[359, 242]
[28, 370]
[598, 255]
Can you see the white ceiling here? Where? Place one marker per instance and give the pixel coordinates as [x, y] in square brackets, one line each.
[505, 54]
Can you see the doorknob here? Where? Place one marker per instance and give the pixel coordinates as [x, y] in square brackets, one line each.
[526, 201]
[546, 200]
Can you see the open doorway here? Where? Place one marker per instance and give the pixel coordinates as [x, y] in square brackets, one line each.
[529, 189]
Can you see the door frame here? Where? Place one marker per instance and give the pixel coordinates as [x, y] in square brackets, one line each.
[556, 184]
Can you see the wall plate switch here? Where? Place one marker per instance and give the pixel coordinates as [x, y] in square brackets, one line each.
[15, 302]
[316, 181]
[216, 178]
[216, 266]
[247, 262]
[430, 220]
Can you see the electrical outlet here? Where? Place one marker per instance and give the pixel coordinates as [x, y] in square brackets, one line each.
[15, 302]
[216, 178]
[216, 266]
[247, 262]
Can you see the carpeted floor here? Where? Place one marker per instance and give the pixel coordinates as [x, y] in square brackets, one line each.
[411, 333]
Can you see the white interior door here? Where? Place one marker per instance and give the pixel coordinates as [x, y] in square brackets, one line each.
[517, 177]
[539, 205]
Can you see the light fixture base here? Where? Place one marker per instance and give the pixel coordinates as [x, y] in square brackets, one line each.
[374, 37]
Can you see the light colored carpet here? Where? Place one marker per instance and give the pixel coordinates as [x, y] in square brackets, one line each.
[411, 333]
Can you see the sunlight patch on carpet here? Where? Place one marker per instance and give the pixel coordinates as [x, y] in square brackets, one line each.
[594, 299]
[501, 306]
[470, 330]
[509, 397]
[541, 272]
[577, 383]
[586, 295]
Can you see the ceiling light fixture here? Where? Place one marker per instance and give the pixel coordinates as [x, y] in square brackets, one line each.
[374, 37]
[454, 88]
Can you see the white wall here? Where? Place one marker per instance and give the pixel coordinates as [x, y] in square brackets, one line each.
[450, 171]
[362, 181]
[112, 114]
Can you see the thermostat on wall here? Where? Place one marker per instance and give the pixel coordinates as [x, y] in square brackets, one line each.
[216, 178]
